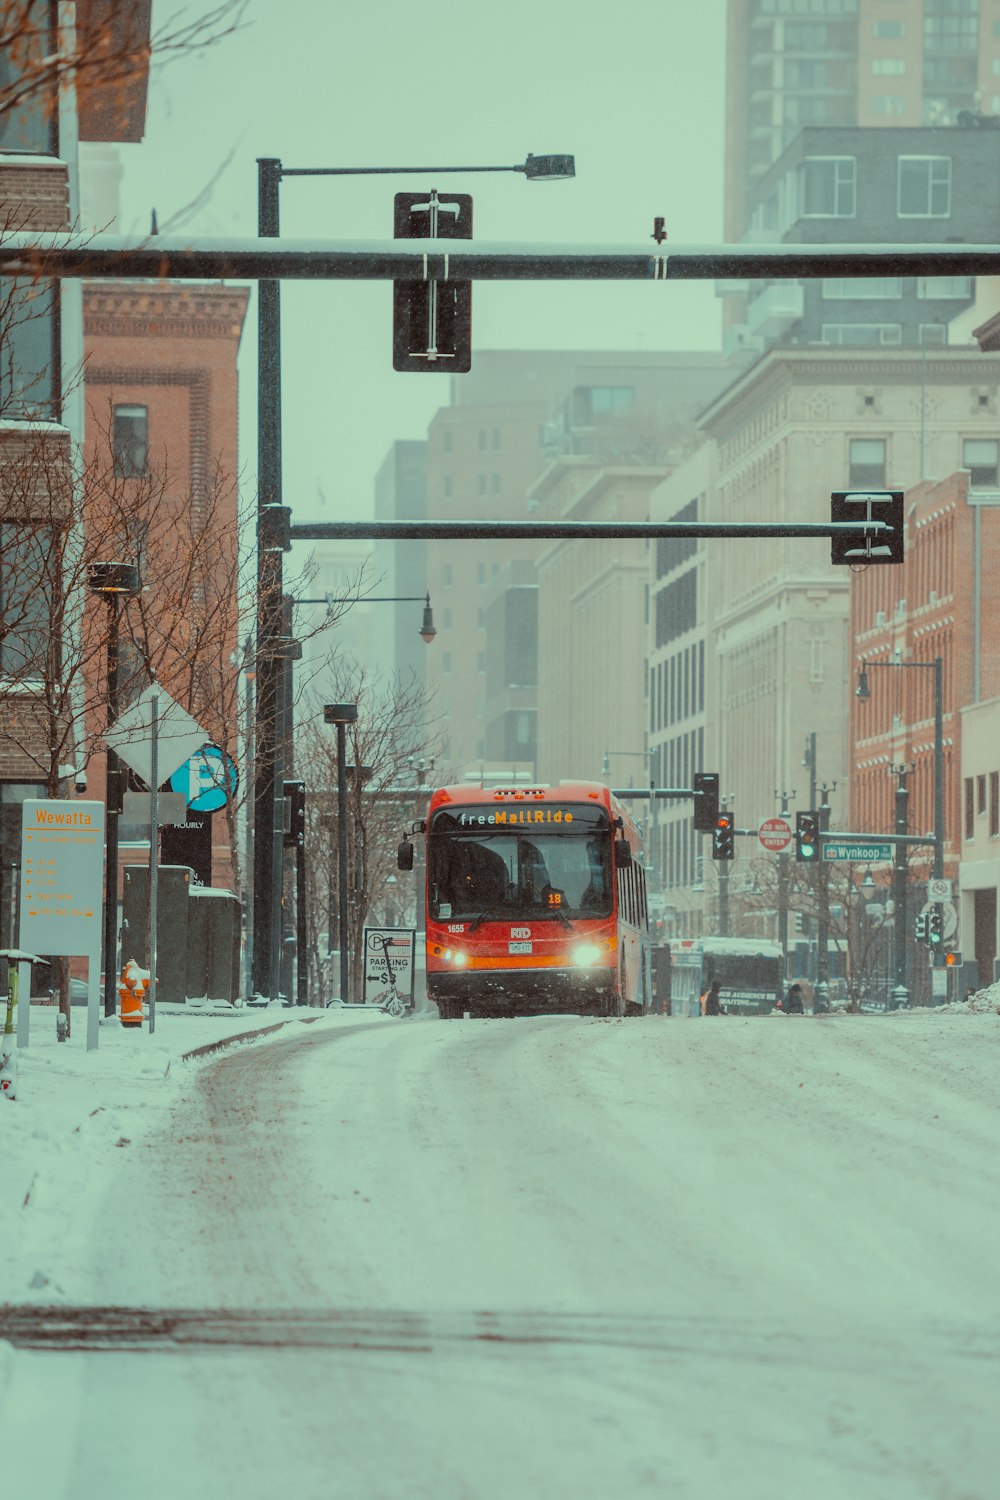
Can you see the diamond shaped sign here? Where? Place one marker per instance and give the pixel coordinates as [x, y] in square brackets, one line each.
[178, 735]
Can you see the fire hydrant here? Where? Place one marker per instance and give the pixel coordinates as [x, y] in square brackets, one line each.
[131, 993]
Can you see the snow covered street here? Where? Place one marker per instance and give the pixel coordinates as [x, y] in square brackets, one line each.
[545, 1257]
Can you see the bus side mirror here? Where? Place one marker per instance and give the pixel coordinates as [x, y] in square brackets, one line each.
[404, 856]
[623, 853]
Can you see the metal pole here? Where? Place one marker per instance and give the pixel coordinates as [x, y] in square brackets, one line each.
[267, 881]
[248, 881]
[154, 839]
[938, 768]
[112, 798]
[301, 951]
[901, 936]
[724, 898]
[823, 909]
[342, 859]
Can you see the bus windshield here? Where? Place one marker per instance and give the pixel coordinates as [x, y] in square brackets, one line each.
[556, 870]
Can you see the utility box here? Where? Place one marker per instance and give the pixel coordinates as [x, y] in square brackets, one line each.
[215, 920]
[173, 886]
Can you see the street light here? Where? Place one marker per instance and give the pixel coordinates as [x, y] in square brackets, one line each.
[900, 862]
[113, 582]
[937, 667]
[342, 714]
[268, 873]
[645, 755]
[427, 630]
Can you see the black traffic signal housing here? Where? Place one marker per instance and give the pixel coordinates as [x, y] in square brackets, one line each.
[295, 794]
[706, 801]
[935, 925]
[432, 319]
[920, 927]
[723, 837]
[867, 505]
[807, 837]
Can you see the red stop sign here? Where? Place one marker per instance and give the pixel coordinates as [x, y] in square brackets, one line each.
[775, 834]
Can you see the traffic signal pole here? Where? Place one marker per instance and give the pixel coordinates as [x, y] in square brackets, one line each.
[900, 929]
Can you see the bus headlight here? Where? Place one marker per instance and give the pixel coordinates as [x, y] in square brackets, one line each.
[586, 955]
[455, 956]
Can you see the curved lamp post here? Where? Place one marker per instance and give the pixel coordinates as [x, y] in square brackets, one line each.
[113, 582]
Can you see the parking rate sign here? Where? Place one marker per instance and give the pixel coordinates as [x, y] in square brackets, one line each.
[62, 876]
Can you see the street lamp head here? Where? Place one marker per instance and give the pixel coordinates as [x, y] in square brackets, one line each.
[340, 713]
[862, 690]
[427, 631]
[113, 578]
[548, 168]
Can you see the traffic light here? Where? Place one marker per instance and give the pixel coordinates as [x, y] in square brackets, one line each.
[935, 926]
[432, 319]
[295, 795]
[706, 801]
[807, 837]
[953, 959]
[920, 927]
[723, 841]
[858, 506]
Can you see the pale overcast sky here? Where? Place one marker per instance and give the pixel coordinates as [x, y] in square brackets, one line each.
[634, 92]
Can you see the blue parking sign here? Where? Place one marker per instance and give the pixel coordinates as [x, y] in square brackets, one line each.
[206, 779]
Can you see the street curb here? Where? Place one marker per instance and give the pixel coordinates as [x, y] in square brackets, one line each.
[244, 1036]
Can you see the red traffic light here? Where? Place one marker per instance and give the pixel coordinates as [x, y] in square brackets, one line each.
[723, 822]
[953, 959]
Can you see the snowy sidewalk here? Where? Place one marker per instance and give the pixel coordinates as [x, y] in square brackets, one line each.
[74, 1110]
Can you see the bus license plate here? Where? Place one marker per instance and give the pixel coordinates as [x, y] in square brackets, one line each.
[518, 947]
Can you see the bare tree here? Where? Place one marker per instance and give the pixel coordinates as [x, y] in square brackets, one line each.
[390, 734]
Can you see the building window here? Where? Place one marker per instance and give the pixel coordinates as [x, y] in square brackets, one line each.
[951, 33]
[932, 335]
[970, 809]
[981, 456]
[827, 187]
[868, 335]
[27, 561]
[130, 440]
[446, 574]
[447, 442]
[29, 361]
[28, 124]
[980, 794]
[888, 104]
[945, 287]
[994, 804]
[923, 187]
[888, 66]
[867, 463]
[862, 286]
[496, 484]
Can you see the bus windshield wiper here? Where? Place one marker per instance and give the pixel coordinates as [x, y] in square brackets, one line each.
[487, 911]
[557, 911]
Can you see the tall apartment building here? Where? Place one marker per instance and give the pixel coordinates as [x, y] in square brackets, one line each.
[774, 615]
[797, 63]
[513, 415]
[839, 185]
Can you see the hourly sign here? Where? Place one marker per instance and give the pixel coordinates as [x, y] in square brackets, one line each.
[62, 867]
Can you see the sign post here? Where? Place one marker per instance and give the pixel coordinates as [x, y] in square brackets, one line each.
[62, 868]
[774, 834]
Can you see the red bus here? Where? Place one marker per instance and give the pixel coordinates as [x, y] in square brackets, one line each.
[536, 902]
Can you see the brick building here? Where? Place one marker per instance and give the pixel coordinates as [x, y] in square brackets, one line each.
[161, 395]
[940, 603]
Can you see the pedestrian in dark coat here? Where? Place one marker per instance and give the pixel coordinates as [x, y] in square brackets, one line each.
[712, 1006]
[793, 1001]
